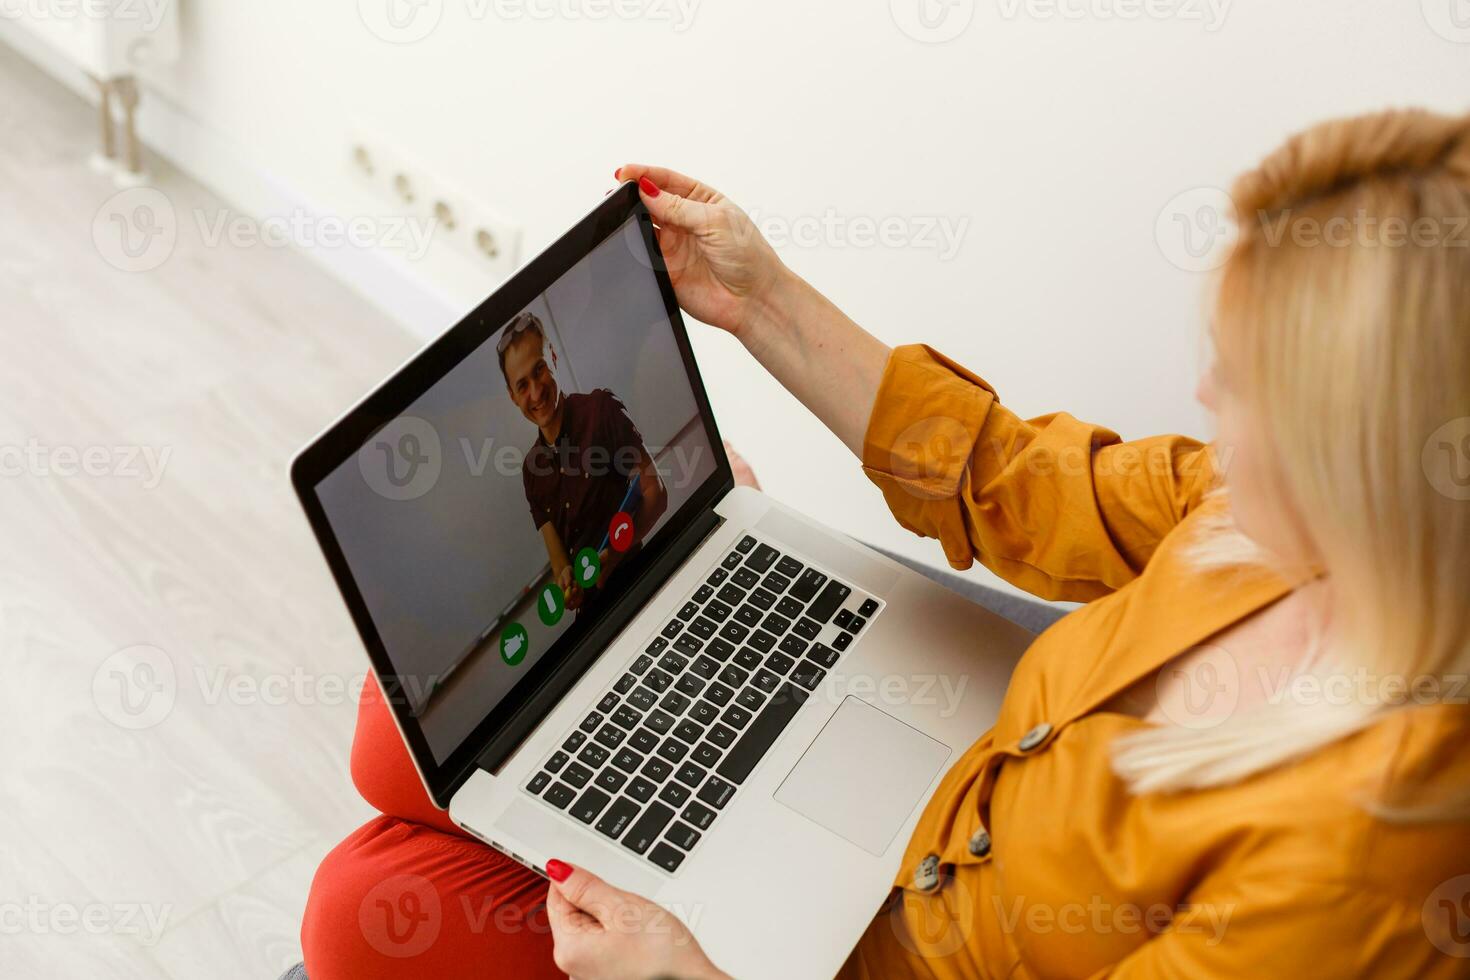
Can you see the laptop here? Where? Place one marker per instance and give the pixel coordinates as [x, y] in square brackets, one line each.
[598, 648]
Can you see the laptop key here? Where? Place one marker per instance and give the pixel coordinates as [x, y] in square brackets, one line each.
[673, 629]
[706, 755]
[658, 680]
[733, 676]
[857, 623]
[698, 814]
[688, 610]
[705, 667]
[593, 755]
[642, 698]
[718, 611]
[617, 818]
[577, 775]
[732, 560]
[753, 745]
[666, 857]
[682, 835]
[730, 595]
[717, 576]
[673, 750]
[832, 597]
[590, 723]
[776, 582]
[688, 731]
[762, 599]
[689, 684]
[589, 804]
[702, 594]
[720, 649]
[703, 712]
[647, 828]
[745, 578]
[868, 607]
[808, 584]
[722, 735]
[625, 683]
[673, 794]
[751, 699]
[657, 769]
[627, 760]
[747, 659]
[765, 680]
[658, 721]
[702, 627]
[557, 760]
[627, 719]
[843, 619]
[776, 624]
[716, 792]
[734, 632]
[610, 780]
[793, 646]
[823, 654]
[749, 615]
[688, 645]
[611, 736]
[641, 789]
[560, 795]
[673, 662]
[789, 607]
[674, 703]
[789, 566]
[779, 662]
[745, 544]
[643, 741]
[762, 641]
[842, 641]
[645, 661]
[538, 782]
[574, 741]
[806, 628]
[808, 675]
[736, 715]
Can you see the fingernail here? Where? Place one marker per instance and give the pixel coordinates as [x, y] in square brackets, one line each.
[618, 174]
[648, 187]
[558, 870]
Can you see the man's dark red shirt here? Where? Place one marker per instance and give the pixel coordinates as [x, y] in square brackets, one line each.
[577, 483]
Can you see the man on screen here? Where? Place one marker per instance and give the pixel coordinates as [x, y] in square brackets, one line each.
[587, 466]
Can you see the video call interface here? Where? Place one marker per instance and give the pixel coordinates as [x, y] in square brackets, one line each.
[503, 505]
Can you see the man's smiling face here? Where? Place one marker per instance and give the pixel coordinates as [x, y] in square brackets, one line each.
[532, 386]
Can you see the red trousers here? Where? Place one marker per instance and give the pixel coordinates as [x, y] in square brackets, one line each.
[408, 894]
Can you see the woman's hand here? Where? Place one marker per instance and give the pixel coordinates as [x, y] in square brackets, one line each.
[721, 266]
[604, 933]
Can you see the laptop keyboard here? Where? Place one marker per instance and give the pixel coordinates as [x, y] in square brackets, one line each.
[671, 742]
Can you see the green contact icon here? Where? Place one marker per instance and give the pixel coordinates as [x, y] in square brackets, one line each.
[551, 604]
[586, 567]
[513, 644]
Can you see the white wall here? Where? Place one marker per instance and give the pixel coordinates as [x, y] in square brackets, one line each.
[1058, 139]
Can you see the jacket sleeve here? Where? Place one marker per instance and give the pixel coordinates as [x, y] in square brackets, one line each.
[1060, 508]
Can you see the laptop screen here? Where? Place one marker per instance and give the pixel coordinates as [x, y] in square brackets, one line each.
[504, 509]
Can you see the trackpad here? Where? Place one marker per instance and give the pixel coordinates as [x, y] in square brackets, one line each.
[863, 775]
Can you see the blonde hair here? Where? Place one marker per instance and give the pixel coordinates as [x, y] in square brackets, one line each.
[1343, 321]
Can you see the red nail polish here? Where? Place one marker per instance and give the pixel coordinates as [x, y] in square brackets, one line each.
[618, 174]
[558, 870]
[648, 187]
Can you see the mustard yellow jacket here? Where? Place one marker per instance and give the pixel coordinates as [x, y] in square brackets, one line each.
[1033, 859]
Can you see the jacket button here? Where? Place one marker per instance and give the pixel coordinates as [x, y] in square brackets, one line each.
[980, 843]
[926, 875]
[1034, 737]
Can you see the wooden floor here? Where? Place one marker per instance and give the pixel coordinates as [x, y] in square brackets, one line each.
[175, 735]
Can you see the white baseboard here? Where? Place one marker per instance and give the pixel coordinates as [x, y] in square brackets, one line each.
[217, 162]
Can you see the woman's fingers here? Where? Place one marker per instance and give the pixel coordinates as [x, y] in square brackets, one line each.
[670, 210]
[584, 891]
[670, 180]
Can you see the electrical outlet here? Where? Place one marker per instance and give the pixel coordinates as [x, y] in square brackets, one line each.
[478, 234]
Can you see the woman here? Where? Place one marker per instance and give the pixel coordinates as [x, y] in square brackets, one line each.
[1246, 754]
